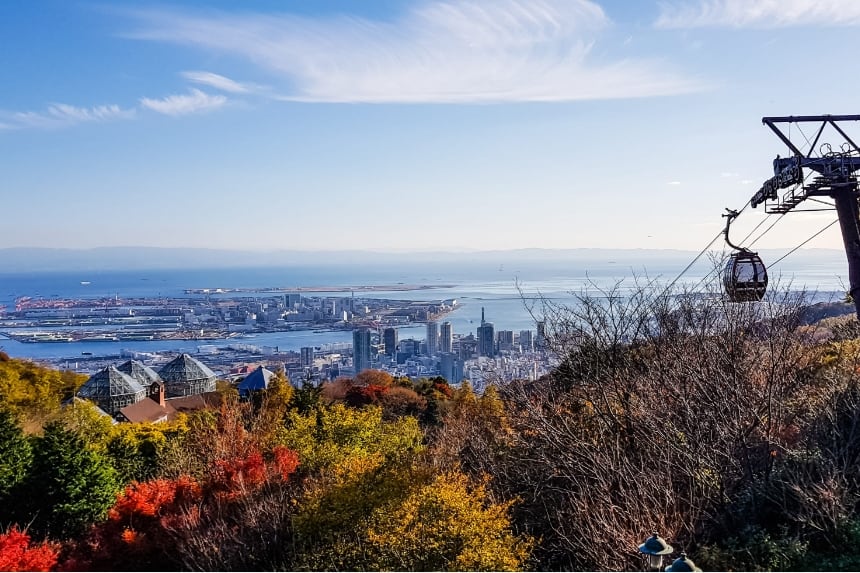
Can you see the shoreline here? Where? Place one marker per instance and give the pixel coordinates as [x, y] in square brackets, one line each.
[357, 288]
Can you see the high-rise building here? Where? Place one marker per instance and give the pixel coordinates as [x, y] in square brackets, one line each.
[450, 367]
[505, 339]
[361, 349]
[389, 338]
[307, 356]
[540, 341]
[432, 337]
[446, 337]
[486, 337]
[526, 340]
[468, 346]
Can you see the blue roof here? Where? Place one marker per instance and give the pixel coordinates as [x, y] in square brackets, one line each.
[256, 380]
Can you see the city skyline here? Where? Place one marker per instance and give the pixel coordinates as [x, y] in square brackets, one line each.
[567, 123]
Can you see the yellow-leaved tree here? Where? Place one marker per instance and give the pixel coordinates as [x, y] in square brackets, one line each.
[371, 500]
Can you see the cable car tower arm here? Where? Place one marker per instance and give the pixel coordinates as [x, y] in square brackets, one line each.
[835, 176]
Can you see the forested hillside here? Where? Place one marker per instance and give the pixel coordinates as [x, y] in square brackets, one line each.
[731, 429]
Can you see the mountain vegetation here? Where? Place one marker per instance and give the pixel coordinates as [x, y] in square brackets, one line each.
[731, 429]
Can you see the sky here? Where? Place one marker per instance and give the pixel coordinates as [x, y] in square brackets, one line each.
[408, 125]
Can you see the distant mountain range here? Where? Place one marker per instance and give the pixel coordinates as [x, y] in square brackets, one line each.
[19, 259]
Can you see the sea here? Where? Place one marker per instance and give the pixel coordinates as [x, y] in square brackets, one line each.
[509, 294]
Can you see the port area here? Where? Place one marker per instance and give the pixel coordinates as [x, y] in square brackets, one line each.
[206, 317]
[398, 287]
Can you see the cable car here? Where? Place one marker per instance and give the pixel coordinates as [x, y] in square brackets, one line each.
[745, 276]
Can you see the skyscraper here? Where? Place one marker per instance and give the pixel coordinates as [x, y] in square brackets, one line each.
[450, 367]
[486, 337]
[540, 340]
[307, 356]
[389, 338]
[446, 337]
[432, 337]
[526, 340]
[361, 349]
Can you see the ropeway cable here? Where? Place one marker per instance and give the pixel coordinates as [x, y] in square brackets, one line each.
[696, 258]
[830, 224]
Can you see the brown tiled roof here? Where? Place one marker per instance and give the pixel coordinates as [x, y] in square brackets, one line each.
[148, 410]
[205, 401]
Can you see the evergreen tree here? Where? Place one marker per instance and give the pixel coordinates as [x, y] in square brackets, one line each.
[15, 459]
[70, 485]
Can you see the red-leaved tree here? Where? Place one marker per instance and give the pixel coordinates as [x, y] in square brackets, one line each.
[165, 524]
[17, 554]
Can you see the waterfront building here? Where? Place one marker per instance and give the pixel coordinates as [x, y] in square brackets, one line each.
[361, 349]
[307, 356]
[486, 337]
[112, 390]
[446, 337]
[389, 338]
[432, 337]
[187, 376]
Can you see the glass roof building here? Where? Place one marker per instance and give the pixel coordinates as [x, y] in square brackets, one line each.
[144, 375]
[186, 376]
[111, 390]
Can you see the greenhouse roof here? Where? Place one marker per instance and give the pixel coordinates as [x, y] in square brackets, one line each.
[107, 383]
[144, 375]
[184, 368]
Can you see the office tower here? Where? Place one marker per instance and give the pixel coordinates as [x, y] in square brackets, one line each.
[360, 349]
[505, 339]
[432, 337]
[307, 354]
[448, 367]
[446, 337]
[540, 341]
[389, 338]
[526, 340]
[486, 337]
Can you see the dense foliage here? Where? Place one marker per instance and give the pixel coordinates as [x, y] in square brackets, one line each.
[733, 430]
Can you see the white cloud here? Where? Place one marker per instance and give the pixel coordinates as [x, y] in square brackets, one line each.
[216, 81]
[439, 51]
[758, 13]
[184, 104]
[673, 183]
[63, 115]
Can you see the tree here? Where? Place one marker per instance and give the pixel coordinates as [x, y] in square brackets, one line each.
[35, 393]
[446, 524]
[15, 460]
[18, 554]
[70, 486]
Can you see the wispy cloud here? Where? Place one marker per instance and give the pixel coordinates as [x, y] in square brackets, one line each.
[439, 51]
[758, 13]
[183, 104]
[63, 115]
[218, 82]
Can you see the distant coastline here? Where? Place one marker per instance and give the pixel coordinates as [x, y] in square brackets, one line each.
[361, 288]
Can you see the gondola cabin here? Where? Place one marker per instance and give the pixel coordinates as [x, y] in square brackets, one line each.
[745, 277]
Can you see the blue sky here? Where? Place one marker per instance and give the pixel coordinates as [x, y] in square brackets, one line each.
[397, 125]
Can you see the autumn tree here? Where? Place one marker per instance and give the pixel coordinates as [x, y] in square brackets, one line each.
[17, 553]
